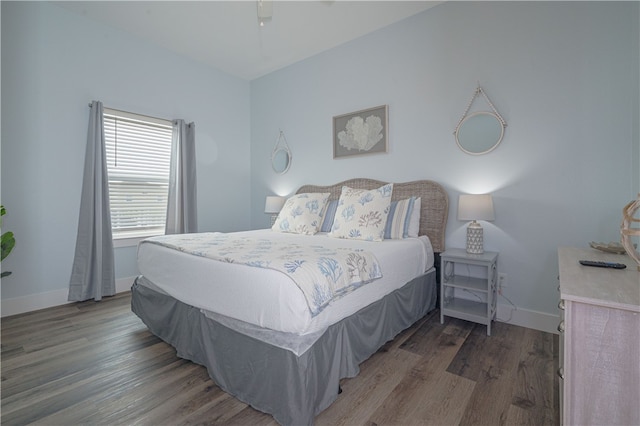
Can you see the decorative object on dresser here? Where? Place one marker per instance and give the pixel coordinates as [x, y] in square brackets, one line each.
[479, 132]
[612, 247]
[482, 311]
[273, 205]
[475, 207]
[361, 132]
[627, 230]
[281, 155]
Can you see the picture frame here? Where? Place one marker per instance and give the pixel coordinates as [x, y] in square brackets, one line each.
[361, 132]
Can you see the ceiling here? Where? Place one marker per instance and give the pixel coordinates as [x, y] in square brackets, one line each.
[226, 34]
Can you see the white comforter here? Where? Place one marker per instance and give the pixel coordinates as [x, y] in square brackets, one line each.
[268, 298]
[322, 274]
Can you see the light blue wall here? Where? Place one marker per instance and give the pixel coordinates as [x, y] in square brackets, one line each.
[53, 64]
[563, 75]
[566, 77]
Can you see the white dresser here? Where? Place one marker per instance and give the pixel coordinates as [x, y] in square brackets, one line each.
[600, 340]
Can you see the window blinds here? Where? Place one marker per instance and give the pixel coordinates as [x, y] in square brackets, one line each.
[138, 157]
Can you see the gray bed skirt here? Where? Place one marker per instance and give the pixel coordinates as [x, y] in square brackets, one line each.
[294, 389]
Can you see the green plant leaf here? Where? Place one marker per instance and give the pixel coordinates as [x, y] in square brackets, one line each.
[7, 244]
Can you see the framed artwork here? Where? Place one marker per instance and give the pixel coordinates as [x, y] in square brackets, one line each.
[360, 132]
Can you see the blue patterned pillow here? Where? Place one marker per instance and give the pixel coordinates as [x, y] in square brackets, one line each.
[301, 213]
[398, 220]
[362, 214]
[329, 214]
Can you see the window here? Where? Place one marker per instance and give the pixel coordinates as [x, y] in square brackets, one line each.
[138, 156]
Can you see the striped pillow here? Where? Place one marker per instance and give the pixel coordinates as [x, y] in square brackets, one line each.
[329, 214]
[414, 224]
[399, 218]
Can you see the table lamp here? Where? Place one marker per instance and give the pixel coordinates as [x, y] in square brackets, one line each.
[273, 205]
[475, 207]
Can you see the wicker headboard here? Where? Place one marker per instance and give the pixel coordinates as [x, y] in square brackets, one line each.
[434, 207]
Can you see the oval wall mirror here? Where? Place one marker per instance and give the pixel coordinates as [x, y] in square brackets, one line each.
[479, 133]
[281, 160]
[281, 155]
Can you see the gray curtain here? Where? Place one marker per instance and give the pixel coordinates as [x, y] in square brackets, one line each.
[181, 206]
[93, 273]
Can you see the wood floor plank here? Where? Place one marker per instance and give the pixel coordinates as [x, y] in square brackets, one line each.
[148, 393]
[35, 374]
[497, 381]
[252, 417]
[478, 349]
[490, 400]
[31, 320]
[65, 394]
[556, 379]
[517, 416]
[464, 363]
[118, 397]
[533, 390]
[96, 363]
[219, 413]
[363, 394]
[71, 325]
[33, 357]
[183, 405]
[408, 402]
[421, 342]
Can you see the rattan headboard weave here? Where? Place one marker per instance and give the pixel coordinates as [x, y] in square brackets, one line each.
[434, 209]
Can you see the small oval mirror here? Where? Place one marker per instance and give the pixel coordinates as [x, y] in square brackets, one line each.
[479, 133]
[281, 160]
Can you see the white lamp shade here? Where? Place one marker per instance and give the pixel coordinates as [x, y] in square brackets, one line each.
[475, 207]
[273, 204]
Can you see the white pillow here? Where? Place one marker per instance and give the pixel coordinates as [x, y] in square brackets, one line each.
[302, 213]
[414, 222]
[362, 214]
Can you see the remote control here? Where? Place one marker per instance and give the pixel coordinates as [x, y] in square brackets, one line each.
[599, 264]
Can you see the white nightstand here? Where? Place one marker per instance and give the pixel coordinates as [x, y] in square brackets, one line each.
[455, 279]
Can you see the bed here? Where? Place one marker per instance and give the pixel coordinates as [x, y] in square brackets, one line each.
[266, 344]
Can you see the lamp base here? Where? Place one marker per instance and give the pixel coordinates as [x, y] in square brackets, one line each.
[475, 244]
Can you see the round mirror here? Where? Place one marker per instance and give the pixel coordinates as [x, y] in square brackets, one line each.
[479, 133]
[281, 160]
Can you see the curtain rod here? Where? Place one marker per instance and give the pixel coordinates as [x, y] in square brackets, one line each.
[135, 113]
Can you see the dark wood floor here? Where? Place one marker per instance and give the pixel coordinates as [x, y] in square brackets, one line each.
[96, 363]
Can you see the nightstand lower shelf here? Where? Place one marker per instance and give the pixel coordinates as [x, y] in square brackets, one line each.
[468, 310]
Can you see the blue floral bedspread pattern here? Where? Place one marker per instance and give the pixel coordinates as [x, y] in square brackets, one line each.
[322, 273]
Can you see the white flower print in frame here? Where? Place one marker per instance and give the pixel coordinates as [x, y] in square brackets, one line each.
[361, 132]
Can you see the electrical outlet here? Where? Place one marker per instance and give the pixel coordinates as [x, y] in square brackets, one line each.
[502, 281]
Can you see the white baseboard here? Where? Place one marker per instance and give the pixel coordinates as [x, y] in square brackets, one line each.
[526, 318]
[35, 302]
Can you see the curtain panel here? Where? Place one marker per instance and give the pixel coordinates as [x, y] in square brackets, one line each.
[182, 205]
[93, 272]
